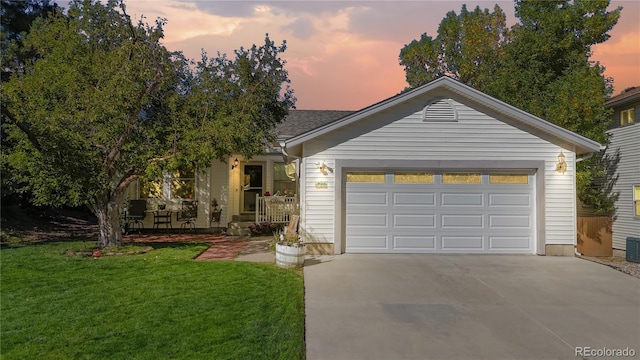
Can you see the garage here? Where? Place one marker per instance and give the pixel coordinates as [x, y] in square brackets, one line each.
[442, 168]
[426, 211]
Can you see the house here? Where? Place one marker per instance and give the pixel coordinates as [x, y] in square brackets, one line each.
[625, 139]
[442, 168]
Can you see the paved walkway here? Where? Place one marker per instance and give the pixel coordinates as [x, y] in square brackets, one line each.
[239, 248]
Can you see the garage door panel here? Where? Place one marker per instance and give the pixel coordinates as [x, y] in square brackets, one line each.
[509, 221]
[367, 198]
[363, 243]
[462, 242]
[367, 220]
[414, 221]
[461, 199]
[413, 199]
[462, 221]
[414, 242]
[509, 242]
[497, 200]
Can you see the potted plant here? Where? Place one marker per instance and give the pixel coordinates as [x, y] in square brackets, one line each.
[290, 250]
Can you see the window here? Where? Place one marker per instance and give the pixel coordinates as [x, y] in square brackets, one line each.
[183, 184]
[452, 178]
[366, 177]
[177, 185]
[284, 178]
[413, 178]
[150, 189]
[508, 179]
[627, 116]
[636, 200]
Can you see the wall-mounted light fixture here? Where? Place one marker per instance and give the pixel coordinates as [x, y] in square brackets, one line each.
[324, 169]
[561, 165]
[235, 164]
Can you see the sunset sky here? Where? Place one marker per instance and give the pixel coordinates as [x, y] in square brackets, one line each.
[344, 55]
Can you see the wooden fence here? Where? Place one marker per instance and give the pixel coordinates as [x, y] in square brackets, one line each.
[594, 235]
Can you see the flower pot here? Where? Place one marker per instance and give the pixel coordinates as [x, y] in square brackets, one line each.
[288, 256]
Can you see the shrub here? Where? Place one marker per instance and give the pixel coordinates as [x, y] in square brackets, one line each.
[265, 228]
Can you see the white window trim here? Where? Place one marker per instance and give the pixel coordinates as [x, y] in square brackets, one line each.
[625, 116]
[635, 200]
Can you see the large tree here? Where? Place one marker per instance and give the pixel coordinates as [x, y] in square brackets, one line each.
[541, 65]
[468, 47]
[16, 17]
[105, 103]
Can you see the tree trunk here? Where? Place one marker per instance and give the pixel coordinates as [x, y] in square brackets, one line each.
[110, 233]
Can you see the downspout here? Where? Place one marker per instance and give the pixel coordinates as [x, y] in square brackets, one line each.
[284, 152]
[285, 155]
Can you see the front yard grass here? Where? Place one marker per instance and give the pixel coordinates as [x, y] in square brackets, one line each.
[156, 305]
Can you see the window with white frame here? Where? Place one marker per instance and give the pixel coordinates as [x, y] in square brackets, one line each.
[176, 185]
[627, 116]
[284, 178]
[636, 200]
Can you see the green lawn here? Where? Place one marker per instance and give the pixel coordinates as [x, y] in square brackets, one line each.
[158, 305]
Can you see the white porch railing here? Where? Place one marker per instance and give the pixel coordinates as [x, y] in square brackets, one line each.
[276, 209]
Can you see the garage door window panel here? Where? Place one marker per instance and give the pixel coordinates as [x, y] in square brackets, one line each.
[461, 178]
[509, 179]
[366, 177]
[413, 178]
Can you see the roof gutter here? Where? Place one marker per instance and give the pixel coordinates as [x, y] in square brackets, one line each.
[283, 146]
[590, 155]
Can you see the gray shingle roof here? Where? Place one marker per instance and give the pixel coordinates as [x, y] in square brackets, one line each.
[627, 95]
[301, 121]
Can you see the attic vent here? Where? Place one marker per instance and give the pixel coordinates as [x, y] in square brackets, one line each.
[440, 110]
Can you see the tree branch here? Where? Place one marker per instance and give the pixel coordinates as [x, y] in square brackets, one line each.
[24, 128]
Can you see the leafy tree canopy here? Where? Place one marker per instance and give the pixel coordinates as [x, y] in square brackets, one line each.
[104, 102]
[468, 47]
[540, 65]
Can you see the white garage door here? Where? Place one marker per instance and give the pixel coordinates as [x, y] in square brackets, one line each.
[421, 212]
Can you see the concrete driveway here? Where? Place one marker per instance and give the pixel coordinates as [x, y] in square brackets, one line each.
[467, 307]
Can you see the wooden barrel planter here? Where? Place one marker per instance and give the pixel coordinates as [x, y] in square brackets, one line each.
[288, 256]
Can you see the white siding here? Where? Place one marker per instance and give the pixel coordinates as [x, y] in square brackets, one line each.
[404, 135]
[219, 189]
[627, 140]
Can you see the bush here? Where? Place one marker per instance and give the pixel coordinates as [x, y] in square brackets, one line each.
[265, 228]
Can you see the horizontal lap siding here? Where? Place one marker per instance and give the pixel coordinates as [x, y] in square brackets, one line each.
[627, 140]
[475, 136]
[219, 174]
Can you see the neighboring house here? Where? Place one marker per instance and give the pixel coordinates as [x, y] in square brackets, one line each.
[442, 168]
[625, 138]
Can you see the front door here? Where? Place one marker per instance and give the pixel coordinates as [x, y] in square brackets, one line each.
[252, 185]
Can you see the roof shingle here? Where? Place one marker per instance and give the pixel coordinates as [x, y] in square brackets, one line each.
[301, 121]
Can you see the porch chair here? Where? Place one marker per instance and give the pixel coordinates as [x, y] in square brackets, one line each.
[135, 215]
[188, 214]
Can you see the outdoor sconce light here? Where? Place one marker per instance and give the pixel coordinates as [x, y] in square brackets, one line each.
[561, 166]
[324, 169]
[235, 164]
